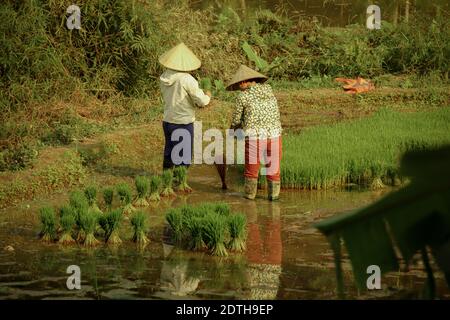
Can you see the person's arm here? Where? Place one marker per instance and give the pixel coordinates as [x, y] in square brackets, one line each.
[236, 120]
[197, 95]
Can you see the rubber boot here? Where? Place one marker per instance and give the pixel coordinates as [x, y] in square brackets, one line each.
[250, 188]
[274, 190]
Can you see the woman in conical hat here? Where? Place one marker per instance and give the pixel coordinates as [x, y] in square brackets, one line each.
[181, 94]
[257, 114]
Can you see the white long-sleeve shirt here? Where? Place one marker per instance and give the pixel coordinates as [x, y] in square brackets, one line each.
[181, 95]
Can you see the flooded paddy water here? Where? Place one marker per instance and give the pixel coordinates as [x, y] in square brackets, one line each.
[286, 257]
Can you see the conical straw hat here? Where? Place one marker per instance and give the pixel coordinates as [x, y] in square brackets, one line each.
[244, 73]
[180, 58]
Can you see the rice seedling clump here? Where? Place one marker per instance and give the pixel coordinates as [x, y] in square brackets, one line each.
[142, 187]
[215, 232]
[88, 224]
[139, 223]
[167, 183]
[125, 196]
[48, 222]
[175, 219]
[110, 223]
[155, 188]
[180, 175]
[67, 223]
[209, 225]
[91, 196]
[108, 197]
[80, 205]
[238, 233]
[194, 226]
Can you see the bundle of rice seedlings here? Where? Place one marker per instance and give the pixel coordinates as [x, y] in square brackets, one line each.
[215, 231]
[180, 174]
[142, 187]
[66, 210]
[48, 221]
[237, 228]
[88, 224]
[67, 223]
[139, 223]
[175, 219]
[108, 196]
[91, 196]
[78, 201]
[124, 192]
[167, 182]
[222, 208]
[80, 206]
[110, 223]
[155, 186]
[194, 226]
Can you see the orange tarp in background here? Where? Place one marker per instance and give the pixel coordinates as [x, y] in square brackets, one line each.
[358, 85]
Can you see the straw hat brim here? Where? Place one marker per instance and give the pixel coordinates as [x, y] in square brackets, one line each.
[180, 58]
[245, 73]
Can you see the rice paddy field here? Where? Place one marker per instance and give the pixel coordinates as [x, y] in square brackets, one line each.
[363, 152]
[81, 146]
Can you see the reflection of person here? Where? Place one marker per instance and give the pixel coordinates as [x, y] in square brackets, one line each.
[264, 254]
[175, 279]
[181, 94]
[258, 115]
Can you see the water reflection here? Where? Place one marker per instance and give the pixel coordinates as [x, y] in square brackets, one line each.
[264, 252]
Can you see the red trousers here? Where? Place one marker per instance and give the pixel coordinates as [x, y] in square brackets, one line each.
[267, 151]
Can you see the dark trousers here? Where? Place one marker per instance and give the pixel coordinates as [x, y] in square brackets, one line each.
[175, 135]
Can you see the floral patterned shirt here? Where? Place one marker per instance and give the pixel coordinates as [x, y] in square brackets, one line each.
[257, 112]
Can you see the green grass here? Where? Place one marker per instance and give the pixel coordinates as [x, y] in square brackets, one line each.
[363, 152]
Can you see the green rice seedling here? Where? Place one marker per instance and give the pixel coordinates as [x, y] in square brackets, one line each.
[222, 208]
[80, 205]
[180, 175]
[142, 187]
[194, 226]
[358, 152]
[48, 221]
[237, 228]
[67, 222]
[108, 197]
[139, 223]
[66, 210]
[215, 231]
[110, 223]
[91, 195]
[167, 182]
[88, 223]
[175, 219]
[124, 192]
[78, 201]
[155, 188]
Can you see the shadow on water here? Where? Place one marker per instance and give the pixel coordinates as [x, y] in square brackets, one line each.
[285, 259]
